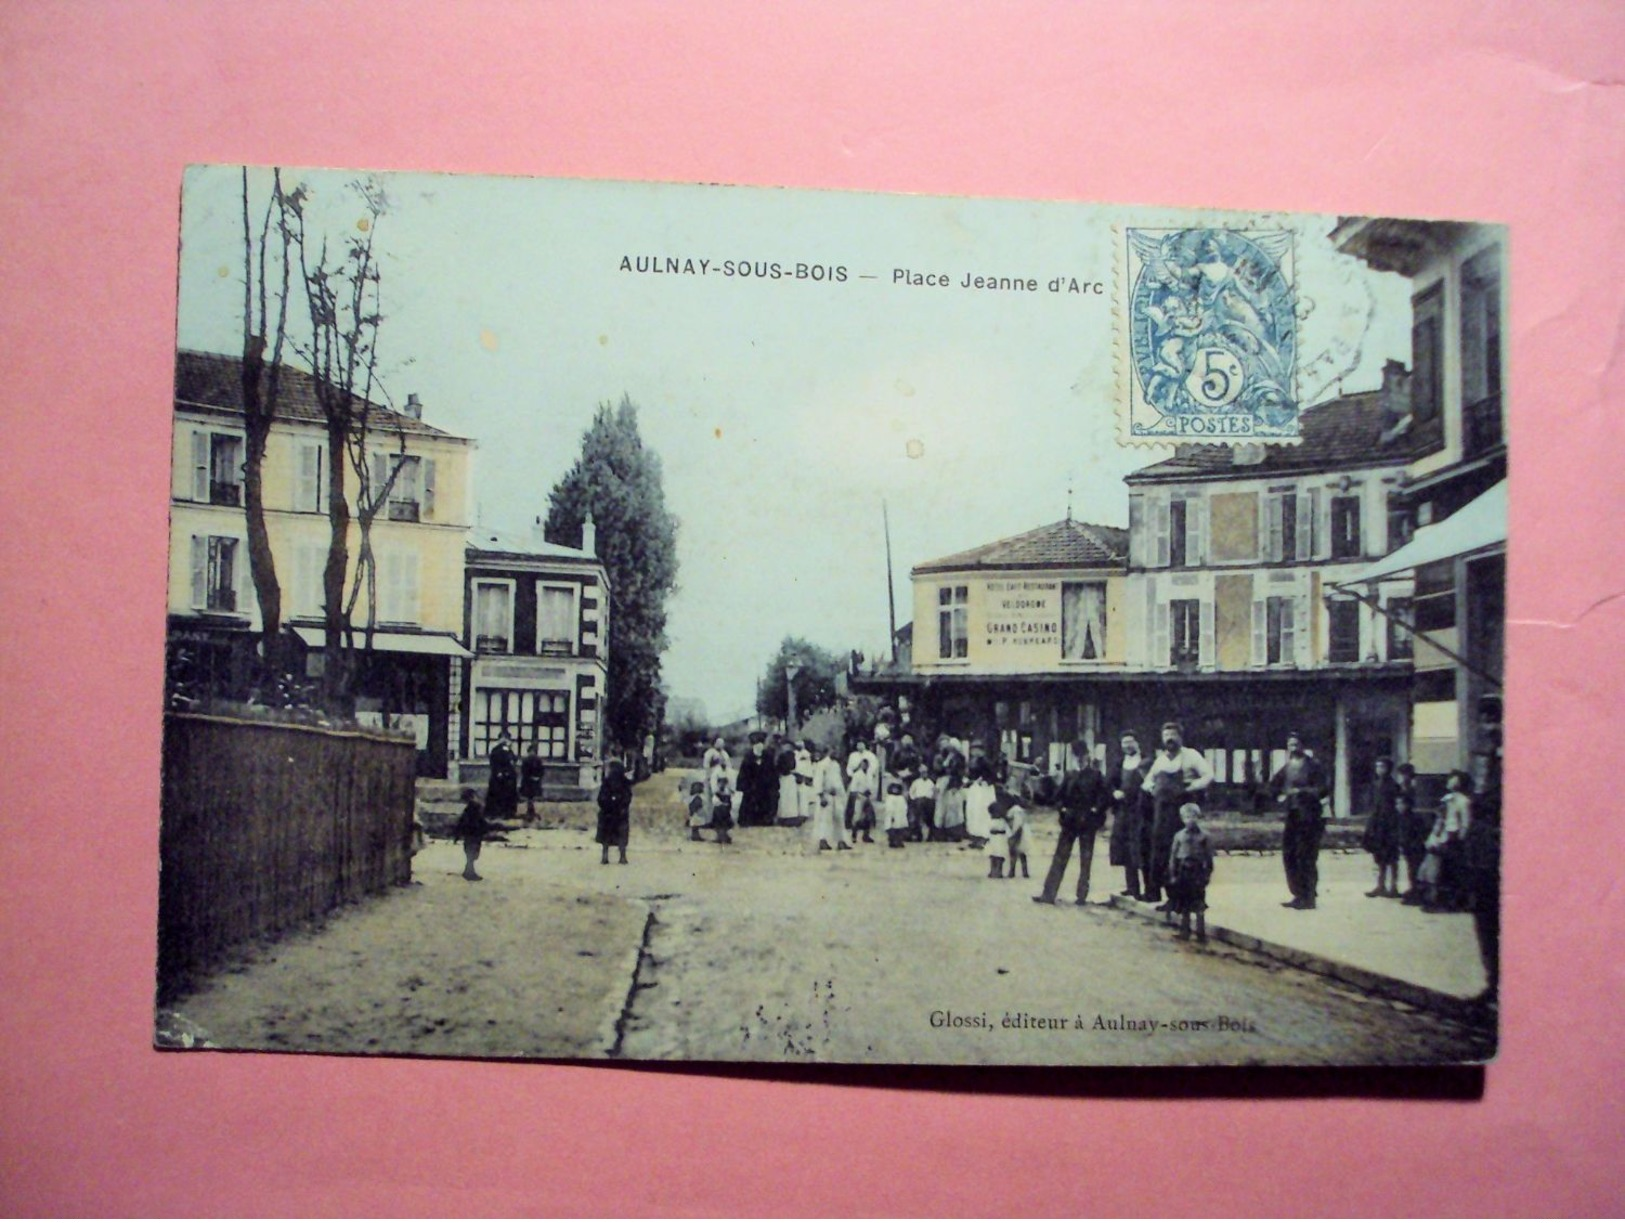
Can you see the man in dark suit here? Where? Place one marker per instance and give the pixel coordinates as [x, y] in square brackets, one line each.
[1300, 785]
[1082, 799]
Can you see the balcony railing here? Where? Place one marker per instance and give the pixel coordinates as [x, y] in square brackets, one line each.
[403, 511]
[223, 599]
[225, 492]
[1481, 426]
[491, 643]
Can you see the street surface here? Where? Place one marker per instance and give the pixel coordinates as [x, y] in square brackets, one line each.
[769, 950]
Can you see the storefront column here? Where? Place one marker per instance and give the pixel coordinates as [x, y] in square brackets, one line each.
[1342, 793]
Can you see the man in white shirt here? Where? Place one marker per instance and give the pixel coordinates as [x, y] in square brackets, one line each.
[1174, 776]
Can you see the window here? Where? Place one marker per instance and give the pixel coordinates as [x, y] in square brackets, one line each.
[1275, 638]
[493, 617]
[1400, 619]
[953, 625]
[310, 493]
[217, 469]
[398, 588]
[1177, 541]
[1343, 644]
[1427, 314]
[1083, 620]
[411, 495]
[1481, 352]
[1185, 632]
[555, 619]
[309, 563]
[1282, 526]
[528, 716]
[214, 573]
[1346, 527]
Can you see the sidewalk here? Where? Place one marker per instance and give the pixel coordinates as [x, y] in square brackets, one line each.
[1377, 945]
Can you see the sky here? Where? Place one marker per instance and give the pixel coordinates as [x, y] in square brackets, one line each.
[785, 411]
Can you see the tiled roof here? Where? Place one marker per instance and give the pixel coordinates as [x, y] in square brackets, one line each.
[214, 381]
[1338, 434]
[1060, 545]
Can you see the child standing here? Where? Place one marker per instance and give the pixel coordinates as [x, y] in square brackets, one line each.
[1016, 816]
[614, 811]
[470, 828]
[1381, 838]
[1190, 868]
[894, 821]
[1442, 869]
[698, 816]
[997, 827]
[922, 801]
[722, 808]
[1414, 825]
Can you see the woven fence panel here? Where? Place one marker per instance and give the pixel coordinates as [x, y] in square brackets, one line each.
[266, 825]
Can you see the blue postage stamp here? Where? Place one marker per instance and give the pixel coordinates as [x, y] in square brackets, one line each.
[1212, 340]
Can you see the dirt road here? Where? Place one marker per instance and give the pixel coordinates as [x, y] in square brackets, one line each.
[767, 949]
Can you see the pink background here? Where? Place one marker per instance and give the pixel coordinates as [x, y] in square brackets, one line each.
[1505, 112]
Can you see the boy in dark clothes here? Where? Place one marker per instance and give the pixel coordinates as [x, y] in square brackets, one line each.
[1414, 826]
[1382, 832]
[471, 828]
[1190, 868]
[722, 810]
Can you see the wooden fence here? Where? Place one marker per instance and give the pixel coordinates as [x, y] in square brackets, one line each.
[267, 824]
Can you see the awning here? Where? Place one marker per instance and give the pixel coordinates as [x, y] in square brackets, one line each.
[1479, 525]
[392, 643]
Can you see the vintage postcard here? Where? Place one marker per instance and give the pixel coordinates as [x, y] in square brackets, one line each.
[650, 621]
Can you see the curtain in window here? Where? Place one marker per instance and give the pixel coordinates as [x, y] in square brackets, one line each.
[1083, 620]
[555, 619]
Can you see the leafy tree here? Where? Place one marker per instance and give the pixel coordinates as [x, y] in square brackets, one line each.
[617, 482]
[814, 682]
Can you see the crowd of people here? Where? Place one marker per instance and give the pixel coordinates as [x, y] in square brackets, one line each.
[956, 792]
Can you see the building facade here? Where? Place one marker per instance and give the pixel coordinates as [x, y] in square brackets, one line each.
[537, 617]
[1236, 555]
[1452, 507]
[1020, 644]
[418, 540]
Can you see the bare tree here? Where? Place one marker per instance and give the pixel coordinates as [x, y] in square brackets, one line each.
[264, 337]
[342, 293]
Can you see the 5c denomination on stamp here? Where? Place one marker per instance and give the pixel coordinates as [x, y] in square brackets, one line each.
[1211, 347]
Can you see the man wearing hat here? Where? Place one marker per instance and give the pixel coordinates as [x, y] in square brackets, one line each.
[1300, 785]
[758, 783]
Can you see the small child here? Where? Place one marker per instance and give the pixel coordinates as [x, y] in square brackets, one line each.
[698, 816]
[1414, 826]
[860, 796]
[1381, 839]
[1017, 818]
[894, 814]
[723, 810]
[471, 828]
[1442, 868]
[998, 836]
[922, 801]
[1190, 867]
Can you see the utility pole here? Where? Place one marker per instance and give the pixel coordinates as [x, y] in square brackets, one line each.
[891, 595]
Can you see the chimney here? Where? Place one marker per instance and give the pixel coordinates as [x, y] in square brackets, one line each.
[414, 406]
[538, 534]
[589, 537]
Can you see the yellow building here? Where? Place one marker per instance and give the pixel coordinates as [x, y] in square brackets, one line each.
[418, 539]
[1015, 643]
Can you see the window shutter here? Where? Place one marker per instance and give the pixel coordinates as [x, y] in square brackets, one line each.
[307, 491]
[428, 489]
[1161, 653]
[1196, 531]
[1206, 646]
[239, 575]
[1162, 531]
[1136, 529]
[378, 473]
[1323, 524]
[200, 571]
[200, 465]
[1260, 633]
[1302, 636]
[1306, 525]
[1147, 624]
